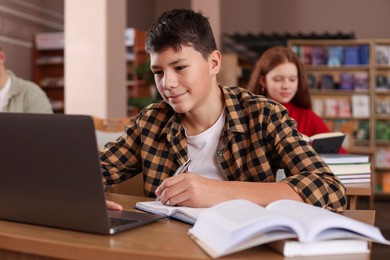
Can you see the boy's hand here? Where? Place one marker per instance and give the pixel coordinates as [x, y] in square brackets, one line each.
[191, 190]
[113, 205]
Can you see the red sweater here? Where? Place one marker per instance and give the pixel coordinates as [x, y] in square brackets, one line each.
[309, 123]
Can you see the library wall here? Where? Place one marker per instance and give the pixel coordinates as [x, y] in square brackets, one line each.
[19, 22]
[282, 16]
[307, 16]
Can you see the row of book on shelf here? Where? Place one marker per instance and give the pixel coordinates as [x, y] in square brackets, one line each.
[336, 56]
[333, 56]
[358, 106]
[345, 81]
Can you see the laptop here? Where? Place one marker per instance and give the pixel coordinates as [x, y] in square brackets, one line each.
[50, 175]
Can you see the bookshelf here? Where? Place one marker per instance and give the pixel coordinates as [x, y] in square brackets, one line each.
[381, 53]
[48, 67]
[356, 99]
[139, 77]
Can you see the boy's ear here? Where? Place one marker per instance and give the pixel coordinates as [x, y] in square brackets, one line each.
[215, 62]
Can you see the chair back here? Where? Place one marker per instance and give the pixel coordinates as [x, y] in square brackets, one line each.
[110, 129]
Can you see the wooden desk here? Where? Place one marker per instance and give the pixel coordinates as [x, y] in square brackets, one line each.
[358, 189]
[165, 239]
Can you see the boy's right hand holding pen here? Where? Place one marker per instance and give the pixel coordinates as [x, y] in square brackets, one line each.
[183, 168]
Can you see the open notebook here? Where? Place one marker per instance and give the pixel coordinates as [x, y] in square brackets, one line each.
[51, 175]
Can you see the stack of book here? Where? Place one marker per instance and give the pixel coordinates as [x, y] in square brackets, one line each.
[350, 168]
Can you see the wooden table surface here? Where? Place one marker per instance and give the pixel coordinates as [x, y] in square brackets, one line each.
[165, 239]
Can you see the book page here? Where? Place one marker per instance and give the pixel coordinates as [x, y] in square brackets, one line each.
[326, 135]
[321, 224]
[236, 223]
[185, 214]
[155, 207]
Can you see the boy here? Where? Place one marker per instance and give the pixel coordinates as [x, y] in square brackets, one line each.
[236, 140]
[18, 95]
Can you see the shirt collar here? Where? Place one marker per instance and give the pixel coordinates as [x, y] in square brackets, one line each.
[234, 115]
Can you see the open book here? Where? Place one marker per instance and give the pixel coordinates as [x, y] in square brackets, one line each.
[239, 224]
[185, 214]
[326, 142]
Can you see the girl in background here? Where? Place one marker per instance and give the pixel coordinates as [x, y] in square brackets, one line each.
[279, 75]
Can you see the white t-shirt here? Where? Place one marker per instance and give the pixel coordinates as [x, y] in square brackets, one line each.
[202, 149]
[4, 94]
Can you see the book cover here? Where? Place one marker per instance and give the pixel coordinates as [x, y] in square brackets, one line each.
[381, 82]
[344, 108]
[49, 41]
[327, 81]
[362, 176]
[360, 80]
[382, 158]
[318, 106]
[364, 55]
[331, 107]
[382, 54]
[236, 225]
[335, 56]
[344, 158]
[327, 142]
[351, 55]
[306, 55]
[383, 106]
[312, 81]
[385, 182]
[346, 81]
[318, 56]
[352, 168]
[354, 180]
[293, 248]
[360, 106]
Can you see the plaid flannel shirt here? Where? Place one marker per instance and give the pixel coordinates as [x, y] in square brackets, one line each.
[258, 138]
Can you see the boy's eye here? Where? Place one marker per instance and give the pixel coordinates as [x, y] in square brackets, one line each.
[180, 67]
[157, 72]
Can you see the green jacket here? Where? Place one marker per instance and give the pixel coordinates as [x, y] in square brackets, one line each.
[26, 97]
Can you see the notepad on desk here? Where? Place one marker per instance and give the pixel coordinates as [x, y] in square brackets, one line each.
[185, 214]
[236, 225]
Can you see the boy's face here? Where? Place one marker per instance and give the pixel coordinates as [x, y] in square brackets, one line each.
[184, 77]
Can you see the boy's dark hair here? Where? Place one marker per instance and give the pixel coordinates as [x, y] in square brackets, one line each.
[181, 27]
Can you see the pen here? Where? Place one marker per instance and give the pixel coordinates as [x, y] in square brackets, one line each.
[183, 168]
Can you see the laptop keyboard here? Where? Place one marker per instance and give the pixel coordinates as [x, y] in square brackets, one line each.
[115, 222]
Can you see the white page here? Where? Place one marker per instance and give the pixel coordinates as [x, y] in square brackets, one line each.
[322, 224]
[230, 223]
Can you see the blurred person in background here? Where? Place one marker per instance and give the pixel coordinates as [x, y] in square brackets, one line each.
[18, 95]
